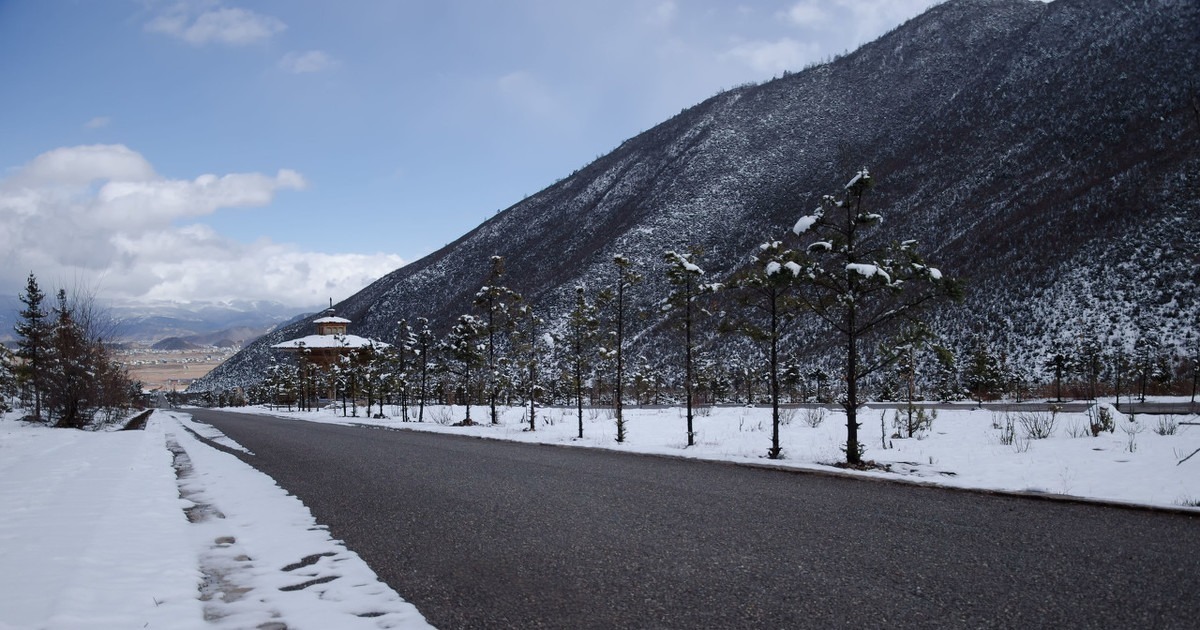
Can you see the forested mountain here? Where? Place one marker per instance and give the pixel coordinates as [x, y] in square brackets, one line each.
[1047, 154]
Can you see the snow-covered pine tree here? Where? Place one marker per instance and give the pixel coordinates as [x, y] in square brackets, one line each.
[69, 398]
[946, 384]
[1089, 359]
[626, 278]
[305, 385]
[374, 372]
[529, 346]
[466, 352]
[766, 290]
[1193, 357]
[1150, 364]
[8, 378]
[497, 303]
[1118, 368]
[401, 359]
[281, 383]
[33, 345]
[685, 278]
[860, 285]
[983, 376]
[908, 374]
[424, 345]
[1057, 365]
[579, 346]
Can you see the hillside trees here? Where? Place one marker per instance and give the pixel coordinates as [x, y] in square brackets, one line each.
[860, 285]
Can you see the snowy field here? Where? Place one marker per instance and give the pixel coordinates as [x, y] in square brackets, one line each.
[154, 529]
[964, 448]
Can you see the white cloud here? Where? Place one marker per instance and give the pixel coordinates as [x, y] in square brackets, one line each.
[771, 58]
[807, 13]
[310, 61]
[818, 29]
[162, 201]
[82, 165]
[860, 21]
[98, 122]
[231, 26]
[102, 212]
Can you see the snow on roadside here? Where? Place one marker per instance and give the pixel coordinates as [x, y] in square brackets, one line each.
[962, 449]
[95, 534]
[92, 532]
[265, 559]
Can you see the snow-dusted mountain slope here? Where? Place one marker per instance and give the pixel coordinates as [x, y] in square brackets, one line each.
[1049, 154]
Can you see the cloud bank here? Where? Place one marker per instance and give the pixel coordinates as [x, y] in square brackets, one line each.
[102, 214]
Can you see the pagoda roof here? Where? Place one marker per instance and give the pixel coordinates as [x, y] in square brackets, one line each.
[352, 342]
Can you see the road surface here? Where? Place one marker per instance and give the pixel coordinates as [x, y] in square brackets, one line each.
[487, 534]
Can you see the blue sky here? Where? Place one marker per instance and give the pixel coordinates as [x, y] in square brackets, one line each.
[295, 150]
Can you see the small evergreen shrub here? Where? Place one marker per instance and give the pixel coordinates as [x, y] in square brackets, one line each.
[1101, 420]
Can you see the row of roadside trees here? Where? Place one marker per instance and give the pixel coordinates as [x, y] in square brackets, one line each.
[865, 292]
[861, 288]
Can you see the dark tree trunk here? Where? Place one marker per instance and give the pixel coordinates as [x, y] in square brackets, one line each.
[687, 385]
[620, 363]
[776, 450]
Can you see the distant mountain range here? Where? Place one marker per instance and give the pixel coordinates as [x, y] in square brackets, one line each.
[224, 324]
[1048, 154]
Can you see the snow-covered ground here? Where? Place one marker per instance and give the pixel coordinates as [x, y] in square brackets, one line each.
[964, 447]
[154, 529]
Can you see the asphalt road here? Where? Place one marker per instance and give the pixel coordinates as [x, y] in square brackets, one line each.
[486, 534]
